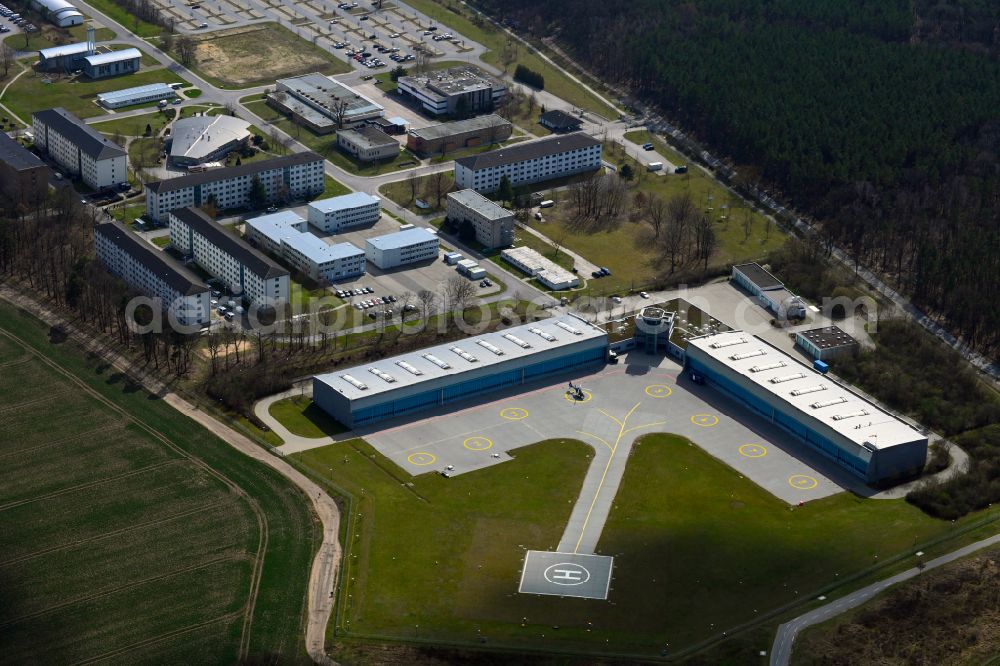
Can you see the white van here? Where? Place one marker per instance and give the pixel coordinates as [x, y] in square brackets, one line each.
[548, 203]
[654, 166]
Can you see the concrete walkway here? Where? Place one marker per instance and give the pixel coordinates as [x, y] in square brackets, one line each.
[781, 651]
[293, 443]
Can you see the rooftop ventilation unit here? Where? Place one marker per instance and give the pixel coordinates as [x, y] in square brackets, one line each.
[384, 376]
[361, 386]
[517, 341]
[850, 415]
[542, 334]
[409, 368]
[728, 343]
[810, 389]
[566, 327]
[436, 361]
[493, 348]
[828, 403]
[740, 357]
[769, 366]
[464, 354]
[786, 378]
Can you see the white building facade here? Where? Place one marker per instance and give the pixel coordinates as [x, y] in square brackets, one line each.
[493, 223]
[294, 177]
[243, 269]
[287, 235]
[350, 210]
[409, 246]
[148, 270]
[81, 151]
[534, 162]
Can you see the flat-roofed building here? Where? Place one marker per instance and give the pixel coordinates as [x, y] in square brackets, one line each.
[329, 263]
[155, 274]
[113, 63]
[533, 162]
[344, 212]
[293, 177]
[493, 223]
[287, 235]
[321, 103]
[66, 57]
[79, 150]
[461, 91]
[151, 92]
[24, 179]
[417, 381]
[409, 246]
[769, 291]
[244, 270]
[201, 139]
[827, 416]
[559, 121]
[827, 343]
[458, 134]
[549, 273]
[367, 143]
[266, 231]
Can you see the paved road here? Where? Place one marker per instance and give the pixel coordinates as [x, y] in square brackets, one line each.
[781, 651]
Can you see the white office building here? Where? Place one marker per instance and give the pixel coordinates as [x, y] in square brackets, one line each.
[409, 246]
[549, 273]
[227, 257]
[295, 176]
[287, 235]
[202, 139]
[459, 90]
[152, 272]
[350, 210]
[493, 223]
[81, 151]
[525, 163]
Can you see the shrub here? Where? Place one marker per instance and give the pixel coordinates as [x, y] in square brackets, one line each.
[529, 77]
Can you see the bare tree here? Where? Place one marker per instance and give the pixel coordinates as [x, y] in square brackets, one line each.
[411, 180]
[339, 112]
[674, 238]
[185, 50]
[7, 57]
[656, 213]
[460, 292]
[427, 299]
[439, 186]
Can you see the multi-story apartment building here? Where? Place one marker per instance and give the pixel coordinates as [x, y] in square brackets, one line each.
[152, 272]
[286, 235]
[524, 163]
[79, 150]
[24, 178]
[494, 224]
[244, 270]
[293, 177]
[350, 210]
[403, 247]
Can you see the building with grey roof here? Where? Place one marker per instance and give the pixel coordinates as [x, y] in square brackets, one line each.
[462, 91]
[59, 12]
[409, 246]
[826, 415]
[292, 177]
[79, 150]
[244, 270]
[151, 92]
[321, 103]
[342, 212]
[493, 223]
[182, 295]
[417, 381]
[200, 139]
[531, 162]
[367, 143]
[826, 343]
[287, 235]
[458, 134]
[113, 63]
[24, 179]
[769, 291]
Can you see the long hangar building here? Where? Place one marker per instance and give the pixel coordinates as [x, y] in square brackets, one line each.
[440, 375]
[826, 415]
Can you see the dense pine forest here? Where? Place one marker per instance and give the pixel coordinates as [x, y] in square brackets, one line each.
[880, 118]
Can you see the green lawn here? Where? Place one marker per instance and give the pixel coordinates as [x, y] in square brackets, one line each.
[454, 15]
[400, 192]
[161, 241]
[138, 147]
[333, 188]
[127, 19]
[29, 93]
[136, 125]
[699, 548]
[49, 36]
[192, 93]
[212, 110]
[101, 473]
[303, 417]
[468, 529]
